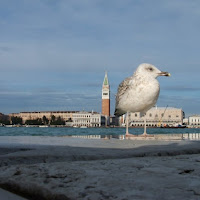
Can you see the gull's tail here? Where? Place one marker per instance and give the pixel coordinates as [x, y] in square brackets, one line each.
[118, 113]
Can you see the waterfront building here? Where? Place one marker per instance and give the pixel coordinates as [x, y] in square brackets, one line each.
[65, 115]
[159, 116]
[88, 119]
[106, 96]
[186, 121]
[194, 120]
[114, 121]
[122, 120]
[71, 118]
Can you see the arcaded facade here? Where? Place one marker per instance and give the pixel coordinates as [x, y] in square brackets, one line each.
[159, 116]
[88, 119]
[194, 120]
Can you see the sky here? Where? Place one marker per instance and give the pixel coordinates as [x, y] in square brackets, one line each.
[54, 53]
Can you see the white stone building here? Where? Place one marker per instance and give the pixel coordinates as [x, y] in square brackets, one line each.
[186, 121]
[159, 116]
[88, 119]
[194, 120]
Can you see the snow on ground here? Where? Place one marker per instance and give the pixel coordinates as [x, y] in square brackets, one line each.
[73, 168]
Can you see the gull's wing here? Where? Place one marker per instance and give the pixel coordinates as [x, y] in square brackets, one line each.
[123, 86]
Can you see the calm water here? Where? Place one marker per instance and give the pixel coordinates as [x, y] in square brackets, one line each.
[52, 131]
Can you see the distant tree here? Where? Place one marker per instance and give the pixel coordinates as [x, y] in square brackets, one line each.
[53, 118]
[28, 122]
[37, 121]
[60, 121]
[31, 122]
[69, 120]
[40, 121]
[45, 120]
[57, 121]
[4, 119]
[16, 120]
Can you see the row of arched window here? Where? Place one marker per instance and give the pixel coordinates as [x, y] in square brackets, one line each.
[195, 120]
[151, 125]
[150, 115]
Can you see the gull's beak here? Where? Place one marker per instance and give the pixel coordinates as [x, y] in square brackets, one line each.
[164, 74]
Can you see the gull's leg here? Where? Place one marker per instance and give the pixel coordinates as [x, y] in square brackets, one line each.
[127, 116]
[127, 124]
[145, 126]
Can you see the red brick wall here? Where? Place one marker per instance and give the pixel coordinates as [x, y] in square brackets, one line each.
[106, 107]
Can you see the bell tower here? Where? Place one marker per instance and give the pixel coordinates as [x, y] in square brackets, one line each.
[106, 96]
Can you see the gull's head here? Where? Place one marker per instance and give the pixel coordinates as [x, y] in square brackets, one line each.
[150, 70]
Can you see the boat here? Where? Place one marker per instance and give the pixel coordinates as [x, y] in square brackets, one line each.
[43, 126]
[83, 126]
[9, 126]
[178, 126]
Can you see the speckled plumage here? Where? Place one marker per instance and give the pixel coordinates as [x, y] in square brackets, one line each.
[139, 92]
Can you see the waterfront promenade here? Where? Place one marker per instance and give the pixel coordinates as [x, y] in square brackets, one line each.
[47, 167]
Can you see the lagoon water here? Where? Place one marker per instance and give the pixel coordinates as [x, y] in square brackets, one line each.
[64, 131]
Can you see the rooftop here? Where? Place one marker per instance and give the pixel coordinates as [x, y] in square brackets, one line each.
[105, 81]
[167, 108]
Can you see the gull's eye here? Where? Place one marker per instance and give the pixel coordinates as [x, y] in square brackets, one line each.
[150, 69]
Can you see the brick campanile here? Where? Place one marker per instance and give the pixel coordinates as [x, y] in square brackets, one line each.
[106, 96]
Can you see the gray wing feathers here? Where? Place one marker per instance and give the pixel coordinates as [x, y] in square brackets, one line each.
[123, 86]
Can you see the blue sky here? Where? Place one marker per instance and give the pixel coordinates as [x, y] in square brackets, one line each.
[53, 54]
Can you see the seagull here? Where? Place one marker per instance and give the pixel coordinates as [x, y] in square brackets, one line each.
[139, 92]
